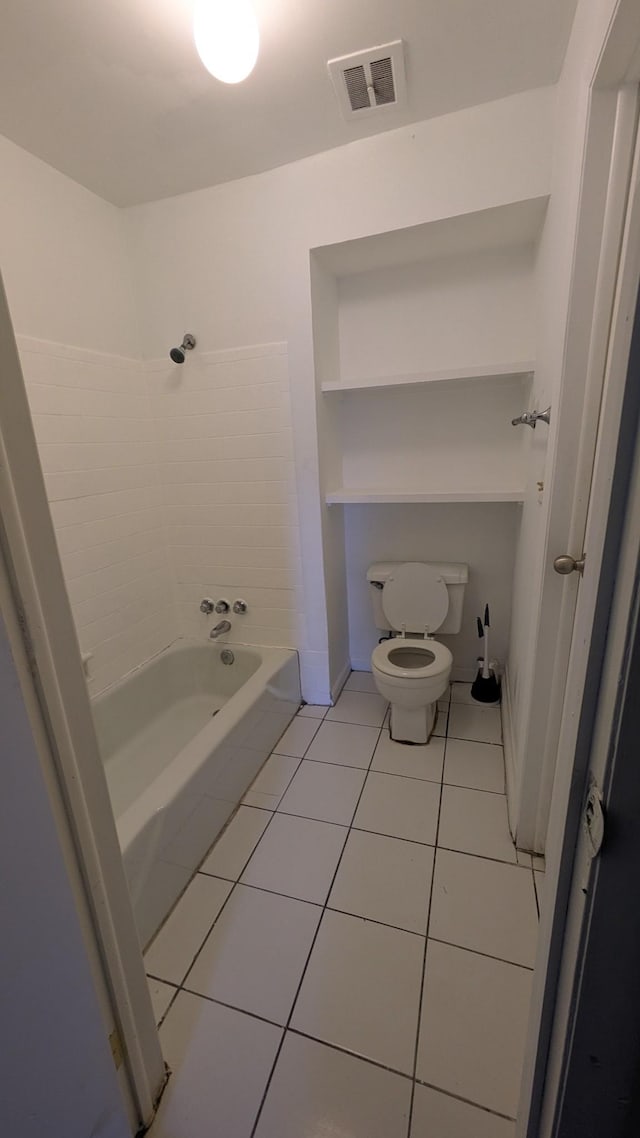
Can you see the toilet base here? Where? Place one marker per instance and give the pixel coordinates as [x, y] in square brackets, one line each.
[412, 725]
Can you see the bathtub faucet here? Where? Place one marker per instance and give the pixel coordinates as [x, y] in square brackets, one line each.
[221, 627]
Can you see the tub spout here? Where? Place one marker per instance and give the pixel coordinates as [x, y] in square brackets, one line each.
[221, 627]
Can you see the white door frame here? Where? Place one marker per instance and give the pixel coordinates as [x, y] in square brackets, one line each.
[42, 629]
[606, 166]
[581, 734]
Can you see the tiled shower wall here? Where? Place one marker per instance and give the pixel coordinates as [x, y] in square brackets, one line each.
[226, 459]
[167, 484]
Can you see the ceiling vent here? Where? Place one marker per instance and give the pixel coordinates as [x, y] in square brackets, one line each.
[369, 81]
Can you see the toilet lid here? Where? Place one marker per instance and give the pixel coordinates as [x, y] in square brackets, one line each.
[415, 597]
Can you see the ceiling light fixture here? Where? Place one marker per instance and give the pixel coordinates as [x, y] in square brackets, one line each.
[227, 38]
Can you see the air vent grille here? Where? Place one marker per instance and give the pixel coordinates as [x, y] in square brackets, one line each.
[357, 88]
[370, 81]
[382, 81]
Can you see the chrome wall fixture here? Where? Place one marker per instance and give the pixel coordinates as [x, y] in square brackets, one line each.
[530, 418]
[187, 345]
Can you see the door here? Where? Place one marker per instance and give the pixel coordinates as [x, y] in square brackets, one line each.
[603, 613]
[606, 177]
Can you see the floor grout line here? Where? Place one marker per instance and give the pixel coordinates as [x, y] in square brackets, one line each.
[424, 960]
[326, 907]
[313, 943]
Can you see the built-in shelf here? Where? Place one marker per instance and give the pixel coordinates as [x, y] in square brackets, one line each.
[346, 496]
[522, 369]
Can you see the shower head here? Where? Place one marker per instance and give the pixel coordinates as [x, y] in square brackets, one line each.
[178, 354]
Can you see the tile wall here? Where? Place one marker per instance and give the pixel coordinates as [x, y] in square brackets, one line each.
[168, 484]
[92, 418]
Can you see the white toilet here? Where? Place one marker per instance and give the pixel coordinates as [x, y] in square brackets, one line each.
[411, 669]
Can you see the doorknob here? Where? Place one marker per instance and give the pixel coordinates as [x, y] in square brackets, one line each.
[567, 564]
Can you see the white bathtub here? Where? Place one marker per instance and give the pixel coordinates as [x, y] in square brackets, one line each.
[182, 739]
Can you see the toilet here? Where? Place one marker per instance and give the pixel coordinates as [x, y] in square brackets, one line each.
[411, 669]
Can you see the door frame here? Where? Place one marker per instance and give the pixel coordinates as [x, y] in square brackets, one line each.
[606, 156]
[583, 727]
[42, 632]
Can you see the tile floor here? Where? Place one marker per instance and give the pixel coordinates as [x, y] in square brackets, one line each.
[355, 955]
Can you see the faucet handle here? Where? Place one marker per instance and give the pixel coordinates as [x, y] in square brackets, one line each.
[239, 606]
[207, 606]
[222, 605]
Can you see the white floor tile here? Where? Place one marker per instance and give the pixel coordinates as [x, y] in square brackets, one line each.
[170, 954]
[297, 857]
[313, 711]
[272, 781]
[524, 859]
[484, 905]
[479, 723]
[539, 863]
[400, 807]
[316, 1090]
[297, 737]
[436, 1115]
[361, 989]
[221, 1061]
[479, 766]
[359, 707]
[361, 681]
[476, 822]
[256, 953]
[461, 693]
[384, 879]
[413, 761]
[349, 744]
[320, 790]
[235, 846]
[161, 996]
[473, 1026]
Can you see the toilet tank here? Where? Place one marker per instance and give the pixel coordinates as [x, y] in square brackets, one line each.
[454, 575]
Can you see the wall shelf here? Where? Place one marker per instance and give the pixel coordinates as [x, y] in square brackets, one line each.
[346, 496]
[521, 370]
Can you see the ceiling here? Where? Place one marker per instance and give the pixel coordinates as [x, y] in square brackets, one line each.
[112, 92]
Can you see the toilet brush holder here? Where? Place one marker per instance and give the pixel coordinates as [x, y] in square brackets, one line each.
[486, 686]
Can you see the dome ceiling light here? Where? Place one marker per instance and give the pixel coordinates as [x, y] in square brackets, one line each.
[227, 38]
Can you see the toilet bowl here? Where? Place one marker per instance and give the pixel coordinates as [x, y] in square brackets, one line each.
[412, 670]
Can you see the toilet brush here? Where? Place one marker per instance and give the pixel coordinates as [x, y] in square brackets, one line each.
[485, 688]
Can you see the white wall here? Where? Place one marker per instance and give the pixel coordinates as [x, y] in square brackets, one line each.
[58, 1076]
[483, 536]
[67, 273]
[232, 264]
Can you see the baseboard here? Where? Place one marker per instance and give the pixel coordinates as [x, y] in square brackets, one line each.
[361, 665]
[508, 739]
[338, 684]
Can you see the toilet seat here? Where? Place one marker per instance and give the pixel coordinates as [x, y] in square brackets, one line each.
[415, 598]
[437, 656]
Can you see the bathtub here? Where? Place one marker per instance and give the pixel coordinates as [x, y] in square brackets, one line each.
[182, 738]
